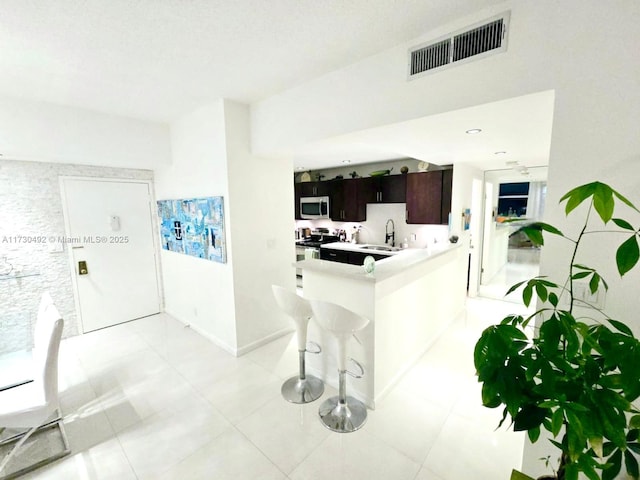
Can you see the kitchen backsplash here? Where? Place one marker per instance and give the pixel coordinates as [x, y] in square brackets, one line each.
[373, 229]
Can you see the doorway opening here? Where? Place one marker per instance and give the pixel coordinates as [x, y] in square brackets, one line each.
[513, 198]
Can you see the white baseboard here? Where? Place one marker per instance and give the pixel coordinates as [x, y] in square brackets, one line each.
[263, 341]
[215, 340]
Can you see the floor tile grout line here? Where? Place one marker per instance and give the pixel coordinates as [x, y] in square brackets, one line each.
[263, 453]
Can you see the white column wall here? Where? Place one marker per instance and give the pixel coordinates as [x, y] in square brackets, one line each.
[262, 232]
[197, 291]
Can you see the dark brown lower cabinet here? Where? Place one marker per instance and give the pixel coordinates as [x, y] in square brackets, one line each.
[344, 256]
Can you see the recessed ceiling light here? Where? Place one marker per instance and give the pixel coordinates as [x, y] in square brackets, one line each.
[346, 161]
[501, 152]
[300, 168]
[473, 131]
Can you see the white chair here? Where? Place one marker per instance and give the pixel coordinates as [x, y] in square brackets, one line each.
[302, 388]
[32, 405]
[341, 413]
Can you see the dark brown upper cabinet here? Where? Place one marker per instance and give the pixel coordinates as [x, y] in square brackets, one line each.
[386, 189]
[314, 189]
[348, 200]
[429, 197]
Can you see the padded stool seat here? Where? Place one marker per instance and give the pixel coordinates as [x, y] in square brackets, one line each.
[341, 413]
[302, 388]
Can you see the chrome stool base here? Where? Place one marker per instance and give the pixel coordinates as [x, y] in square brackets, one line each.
[343, 417]
[298, 390]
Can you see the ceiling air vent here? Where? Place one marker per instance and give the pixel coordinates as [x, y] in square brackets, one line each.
[486, 38]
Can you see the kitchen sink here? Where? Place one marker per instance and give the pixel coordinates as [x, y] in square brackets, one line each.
[382, 248]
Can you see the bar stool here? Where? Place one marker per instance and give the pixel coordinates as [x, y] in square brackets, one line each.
[302, 388]
[341, 413]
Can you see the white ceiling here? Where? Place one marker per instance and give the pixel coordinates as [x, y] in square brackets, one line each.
[159, 59]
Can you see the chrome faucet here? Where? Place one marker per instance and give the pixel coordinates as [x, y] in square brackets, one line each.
[390, 236]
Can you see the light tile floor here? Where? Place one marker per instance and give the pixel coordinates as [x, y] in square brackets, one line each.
[152, 399]
[522, 264]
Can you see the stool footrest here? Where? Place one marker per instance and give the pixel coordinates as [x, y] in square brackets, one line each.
[360, 367]
[316, 349]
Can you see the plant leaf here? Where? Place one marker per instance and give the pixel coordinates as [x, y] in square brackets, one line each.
[615, 464]
[579, 275]
[514, 287]
[556, 422]
[586, 466]
[620, 326]
[516, 475]
[583, 267]
[631, 464]
[549, 228]
[594, 282]
[623, 224]
[534, 234]
[596, 444]
[624, 200]
[578, 195]
[553, 299]
[541, 291]
[534, 434]
[529, 417]
[603, 201]
[627, 255]
[634, 422]
[527, 293]
[571, 472]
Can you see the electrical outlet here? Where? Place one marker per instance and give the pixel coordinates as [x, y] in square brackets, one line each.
[582, 293]
[413, 237]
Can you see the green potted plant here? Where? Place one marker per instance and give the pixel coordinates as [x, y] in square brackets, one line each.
[578, 374]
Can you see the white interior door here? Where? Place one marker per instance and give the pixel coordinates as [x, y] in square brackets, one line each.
[109, 227]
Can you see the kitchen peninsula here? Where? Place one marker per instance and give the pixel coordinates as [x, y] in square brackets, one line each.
[410, 299]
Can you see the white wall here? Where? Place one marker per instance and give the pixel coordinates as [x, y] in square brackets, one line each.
[584, 50]
[261, 207]
[46, 132]
[197, 291]
[230, 303]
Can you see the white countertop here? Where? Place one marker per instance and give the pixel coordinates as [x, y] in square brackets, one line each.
[396, 263]
[357, 247]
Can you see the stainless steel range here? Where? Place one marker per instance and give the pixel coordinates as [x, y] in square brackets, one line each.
[309, 247]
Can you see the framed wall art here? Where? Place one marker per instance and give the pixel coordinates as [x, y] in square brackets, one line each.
[194, 227]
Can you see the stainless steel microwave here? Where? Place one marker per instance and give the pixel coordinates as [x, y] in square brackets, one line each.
[314, 207]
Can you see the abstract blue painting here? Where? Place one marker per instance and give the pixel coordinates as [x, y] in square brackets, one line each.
[194, 227]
